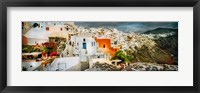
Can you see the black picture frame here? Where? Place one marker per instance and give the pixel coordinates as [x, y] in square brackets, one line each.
[100, 3]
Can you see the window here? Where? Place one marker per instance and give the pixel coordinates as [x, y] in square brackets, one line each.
[104, 46]
[47, 28]
[84, 45]
[94, 43]
[70, 43]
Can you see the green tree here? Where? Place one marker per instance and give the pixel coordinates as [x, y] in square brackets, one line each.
[120, 55]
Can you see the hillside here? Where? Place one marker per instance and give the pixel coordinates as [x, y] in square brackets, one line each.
[161, 31]
[171, 46]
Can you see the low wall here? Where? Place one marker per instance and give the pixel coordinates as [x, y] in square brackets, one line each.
[66, 63]
[100, 60]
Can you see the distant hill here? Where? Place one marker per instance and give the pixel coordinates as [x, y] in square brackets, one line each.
[160, 31]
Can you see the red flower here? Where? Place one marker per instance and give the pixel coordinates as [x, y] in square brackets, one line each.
[53, 54]
[43, 54]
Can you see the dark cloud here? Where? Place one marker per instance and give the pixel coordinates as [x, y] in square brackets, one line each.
[130, 26]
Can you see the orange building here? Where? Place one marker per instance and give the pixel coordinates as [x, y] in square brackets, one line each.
[105, 45]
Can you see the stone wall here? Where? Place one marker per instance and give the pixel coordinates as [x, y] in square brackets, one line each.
[84, 65]
[77, 67]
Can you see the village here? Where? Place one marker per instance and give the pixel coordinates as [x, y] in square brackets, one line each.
[63, 46]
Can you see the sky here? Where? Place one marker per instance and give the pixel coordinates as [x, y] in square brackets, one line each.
[129, 26]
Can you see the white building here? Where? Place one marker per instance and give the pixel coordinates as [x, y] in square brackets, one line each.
[44, 30]
[60, 29]
[82, 46]
[36, 35]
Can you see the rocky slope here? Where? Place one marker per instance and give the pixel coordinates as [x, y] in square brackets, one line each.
[169, 44]
[138, 66]
[161, 50]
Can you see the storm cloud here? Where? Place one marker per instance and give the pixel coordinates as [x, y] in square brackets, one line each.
[129, 26]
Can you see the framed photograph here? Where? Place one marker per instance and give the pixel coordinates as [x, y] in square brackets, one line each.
[99, 46]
